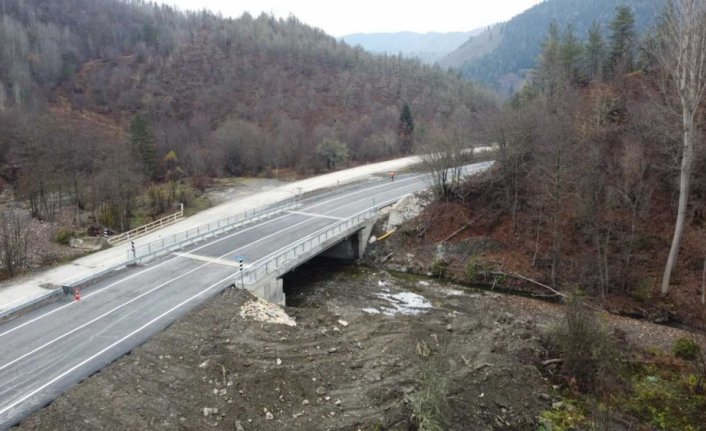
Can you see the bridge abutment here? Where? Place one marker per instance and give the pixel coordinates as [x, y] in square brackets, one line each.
[352, 247]
[270, 289]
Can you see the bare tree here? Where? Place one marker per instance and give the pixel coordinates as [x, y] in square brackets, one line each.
[681, 51]
[14, 242]
[444, 159]
[513, 133]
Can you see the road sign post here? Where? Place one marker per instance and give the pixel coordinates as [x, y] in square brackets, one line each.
[241, 261]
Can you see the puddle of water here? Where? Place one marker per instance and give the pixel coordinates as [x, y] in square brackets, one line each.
[452, 292]
[403, 303]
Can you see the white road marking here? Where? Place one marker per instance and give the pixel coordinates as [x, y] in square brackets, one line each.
[66, 334]
[316, 215]
[9, 331]
[215, 260]
[94, 356]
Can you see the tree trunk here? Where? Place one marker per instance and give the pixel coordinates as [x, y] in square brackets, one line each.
[599, 258]
[536, 240]
[514, 204]
[703, 284]
[685, 178]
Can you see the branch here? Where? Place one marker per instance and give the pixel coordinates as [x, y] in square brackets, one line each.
[522, 277]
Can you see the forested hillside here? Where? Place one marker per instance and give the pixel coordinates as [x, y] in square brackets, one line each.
[101, 98]
[589, 176]
[510, 52]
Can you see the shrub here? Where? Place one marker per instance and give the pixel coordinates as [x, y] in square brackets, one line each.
[565, 417]
[687, 349]
[666, 402]
[63, 236]
[438, 267]
[428, 402]
[472, 270]
[588, 350]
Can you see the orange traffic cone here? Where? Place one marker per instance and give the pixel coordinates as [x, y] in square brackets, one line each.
[77, 294]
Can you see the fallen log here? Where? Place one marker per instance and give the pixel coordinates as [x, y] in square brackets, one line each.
[535, 282]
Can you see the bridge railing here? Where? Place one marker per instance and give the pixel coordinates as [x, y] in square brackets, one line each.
[147, 228]
[285, 259]
[161, 246]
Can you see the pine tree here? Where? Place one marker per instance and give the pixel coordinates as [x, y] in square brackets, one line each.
[595, 53]
[550, 73]
[405, 132]
[570, 53]
[622, 41]
[144, 145]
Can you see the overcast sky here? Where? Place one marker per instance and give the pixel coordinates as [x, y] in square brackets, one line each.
[338, 18]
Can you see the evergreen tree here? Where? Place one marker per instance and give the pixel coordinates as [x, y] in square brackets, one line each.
[549, 74]
[595, 53]
[144, 146]
[406, 130]
[622, 41]
[570, 53]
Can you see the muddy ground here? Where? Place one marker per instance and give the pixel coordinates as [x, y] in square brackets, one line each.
[339, 368]
[354, 360]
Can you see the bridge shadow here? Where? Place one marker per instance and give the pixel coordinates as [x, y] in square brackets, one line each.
[305, 286]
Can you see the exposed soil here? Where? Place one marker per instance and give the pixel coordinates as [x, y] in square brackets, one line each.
[339, 368]
[42, 249]
[226, 189]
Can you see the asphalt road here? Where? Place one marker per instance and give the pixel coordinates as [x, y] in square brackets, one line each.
[50, 349]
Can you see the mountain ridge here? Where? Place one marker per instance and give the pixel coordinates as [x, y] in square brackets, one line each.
[427, 47]
[502, 57]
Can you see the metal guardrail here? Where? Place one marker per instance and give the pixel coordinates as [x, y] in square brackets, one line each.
[139, 254]
[31, 303]
[147, 228]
